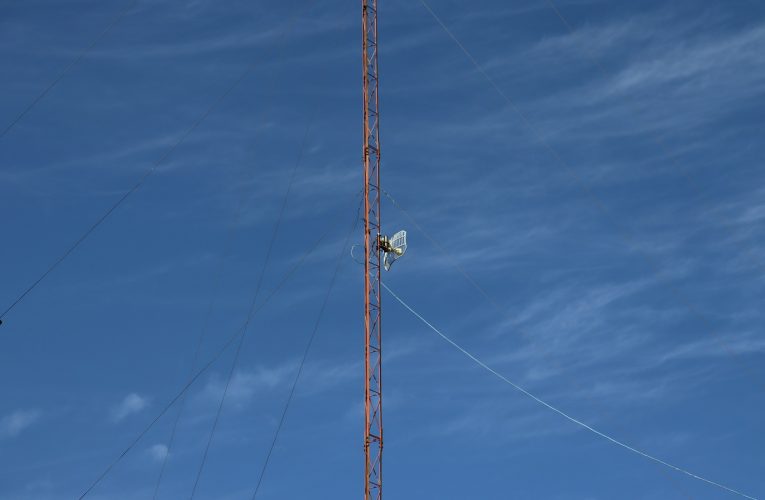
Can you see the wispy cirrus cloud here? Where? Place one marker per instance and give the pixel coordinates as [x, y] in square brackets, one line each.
[132, 403]
[16, 422]
[158, 452]
[669, 84]
[210, 41]
[245, 385]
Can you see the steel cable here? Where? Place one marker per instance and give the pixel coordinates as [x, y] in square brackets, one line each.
[555, 409]
[209, 363]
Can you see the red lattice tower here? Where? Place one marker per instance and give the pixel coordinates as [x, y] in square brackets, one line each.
[373, 428]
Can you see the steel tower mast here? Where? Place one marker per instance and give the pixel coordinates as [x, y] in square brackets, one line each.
[373, 428]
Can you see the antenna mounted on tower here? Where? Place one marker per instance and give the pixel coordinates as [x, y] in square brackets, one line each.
[393, 248]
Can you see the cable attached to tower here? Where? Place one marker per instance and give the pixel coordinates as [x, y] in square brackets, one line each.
[555, 409]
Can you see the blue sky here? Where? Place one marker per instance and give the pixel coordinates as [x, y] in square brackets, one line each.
[625, 270]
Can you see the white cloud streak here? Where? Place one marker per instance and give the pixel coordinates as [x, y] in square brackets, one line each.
[158, 452]
[16, 422]
[130, 405]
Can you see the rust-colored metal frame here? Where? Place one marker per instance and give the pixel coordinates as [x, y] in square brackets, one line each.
[373, 427]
